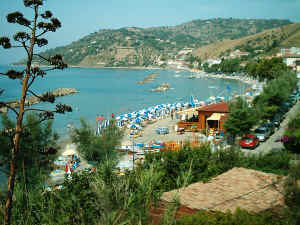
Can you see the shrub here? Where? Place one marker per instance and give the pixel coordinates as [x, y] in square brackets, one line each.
[239, 217]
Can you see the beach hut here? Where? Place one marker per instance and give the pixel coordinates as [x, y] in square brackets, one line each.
[209, 121]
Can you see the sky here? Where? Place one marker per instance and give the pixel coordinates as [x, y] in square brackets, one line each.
[82, 17]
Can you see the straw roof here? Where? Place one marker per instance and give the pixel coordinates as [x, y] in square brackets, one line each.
[247, 189]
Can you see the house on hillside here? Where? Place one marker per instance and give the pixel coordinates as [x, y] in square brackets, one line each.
[292, 60]
[238, 53]
[212, 61]
[185, 51]
[292, 50]
[298, 65]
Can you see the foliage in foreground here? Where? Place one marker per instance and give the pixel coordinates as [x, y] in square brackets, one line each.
[94, 147]
[292, 133]
[239, 217]
[30, 37]
[103, 197]
[292, 192]
[39, 147]
[200, 164]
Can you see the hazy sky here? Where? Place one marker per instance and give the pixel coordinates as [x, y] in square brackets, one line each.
[81, 17]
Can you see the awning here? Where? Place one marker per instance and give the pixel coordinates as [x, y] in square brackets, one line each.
[189, 112]
[215, 116]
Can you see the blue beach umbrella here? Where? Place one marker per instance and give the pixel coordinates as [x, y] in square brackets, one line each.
[192, 103]
[133, 126]
[138, 120]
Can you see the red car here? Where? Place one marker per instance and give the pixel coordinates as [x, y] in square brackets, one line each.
[249, 141]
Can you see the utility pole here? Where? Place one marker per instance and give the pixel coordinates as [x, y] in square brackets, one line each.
[132, 151]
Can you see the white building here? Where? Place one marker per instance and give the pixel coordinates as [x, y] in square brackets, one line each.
[213, 61]
[292, 60]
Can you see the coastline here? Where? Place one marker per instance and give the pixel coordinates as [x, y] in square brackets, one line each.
[199, 73]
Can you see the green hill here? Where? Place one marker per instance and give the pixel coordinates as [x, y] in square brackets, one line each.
[133, 46]
[267, 42]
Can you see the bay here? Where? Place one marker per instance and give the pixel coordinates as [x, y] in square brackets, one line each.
[103, 91]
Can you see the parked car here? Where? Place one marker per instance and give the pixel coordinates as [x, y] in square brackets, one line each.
[249, 141]
[276, 120]
[270, 126]
[162, 130]
[262, 133]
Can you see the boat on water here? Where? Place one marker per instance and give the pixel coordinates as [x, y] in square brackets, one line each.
[192, 77]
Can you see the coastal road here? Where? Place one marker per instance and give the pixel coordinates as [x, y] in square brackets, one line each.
[271, 144]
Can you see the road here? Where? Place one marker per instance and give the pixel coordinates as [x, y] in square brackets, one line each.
[270, 144]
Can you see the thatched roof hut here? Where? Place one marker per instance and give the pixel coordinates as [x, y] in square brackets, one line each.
[247, 189]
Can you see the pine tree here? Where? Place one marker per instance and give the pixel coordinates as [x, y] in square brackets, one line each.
[241, 118]
[36, 28]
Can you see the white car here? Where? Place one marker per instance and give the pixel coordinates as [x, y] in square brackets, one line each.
[262, 133]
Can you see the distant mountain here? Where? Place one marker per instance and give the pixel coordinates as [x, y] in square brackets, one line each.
[133, 46]
[266, 42]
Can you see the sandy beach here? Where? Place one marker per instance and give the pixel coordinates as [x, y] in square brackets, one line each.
[149, 134]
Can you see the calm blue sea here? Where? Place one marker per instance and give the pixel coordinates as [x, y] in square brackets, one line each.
[106, 91]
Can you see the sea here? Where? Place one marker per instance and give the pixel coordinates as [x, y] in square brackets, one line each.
[103, 91]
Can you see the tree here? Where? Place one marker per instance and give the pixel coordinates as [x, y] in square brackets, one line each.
[230, 65]
[274, 94]
[292, 134]
[41, 23]
[241, 118]
[39, 148]
[94, 147]
[268, 69]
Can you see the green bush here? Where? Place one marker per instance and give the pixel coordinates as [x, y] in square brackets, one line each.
[94, 147]
[199, 164]
[293, 134]
[239, 217]
[292, 193]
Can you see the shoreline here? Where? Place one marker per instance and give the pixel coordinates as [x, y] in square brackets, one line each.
[199, 73]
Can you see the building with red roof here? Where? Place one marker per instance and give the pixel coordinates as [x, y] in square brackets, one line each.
[212, 117]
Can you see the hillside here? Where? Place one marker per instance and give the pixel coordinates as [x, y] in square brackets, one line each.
[268, 42]
[142, 46]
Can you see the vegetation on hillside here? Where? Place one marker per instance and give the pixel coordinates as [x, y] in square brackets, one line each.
[266, 42]
[133, 46]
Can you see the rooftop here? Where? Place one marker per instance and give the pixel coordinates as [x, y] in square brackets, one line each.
[220, 107]
[247, 189]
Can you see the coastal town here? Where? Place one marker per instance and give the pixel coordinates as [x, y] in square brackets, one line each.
[139, 124]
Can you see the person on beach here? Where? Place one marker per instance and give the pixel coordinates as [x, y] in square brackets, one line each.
[172, 114]
[69, 169]
[112, 115]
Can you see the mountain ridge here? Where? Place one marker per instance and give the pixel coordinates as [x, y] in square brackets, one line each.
[133, 46]
[267, 42]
